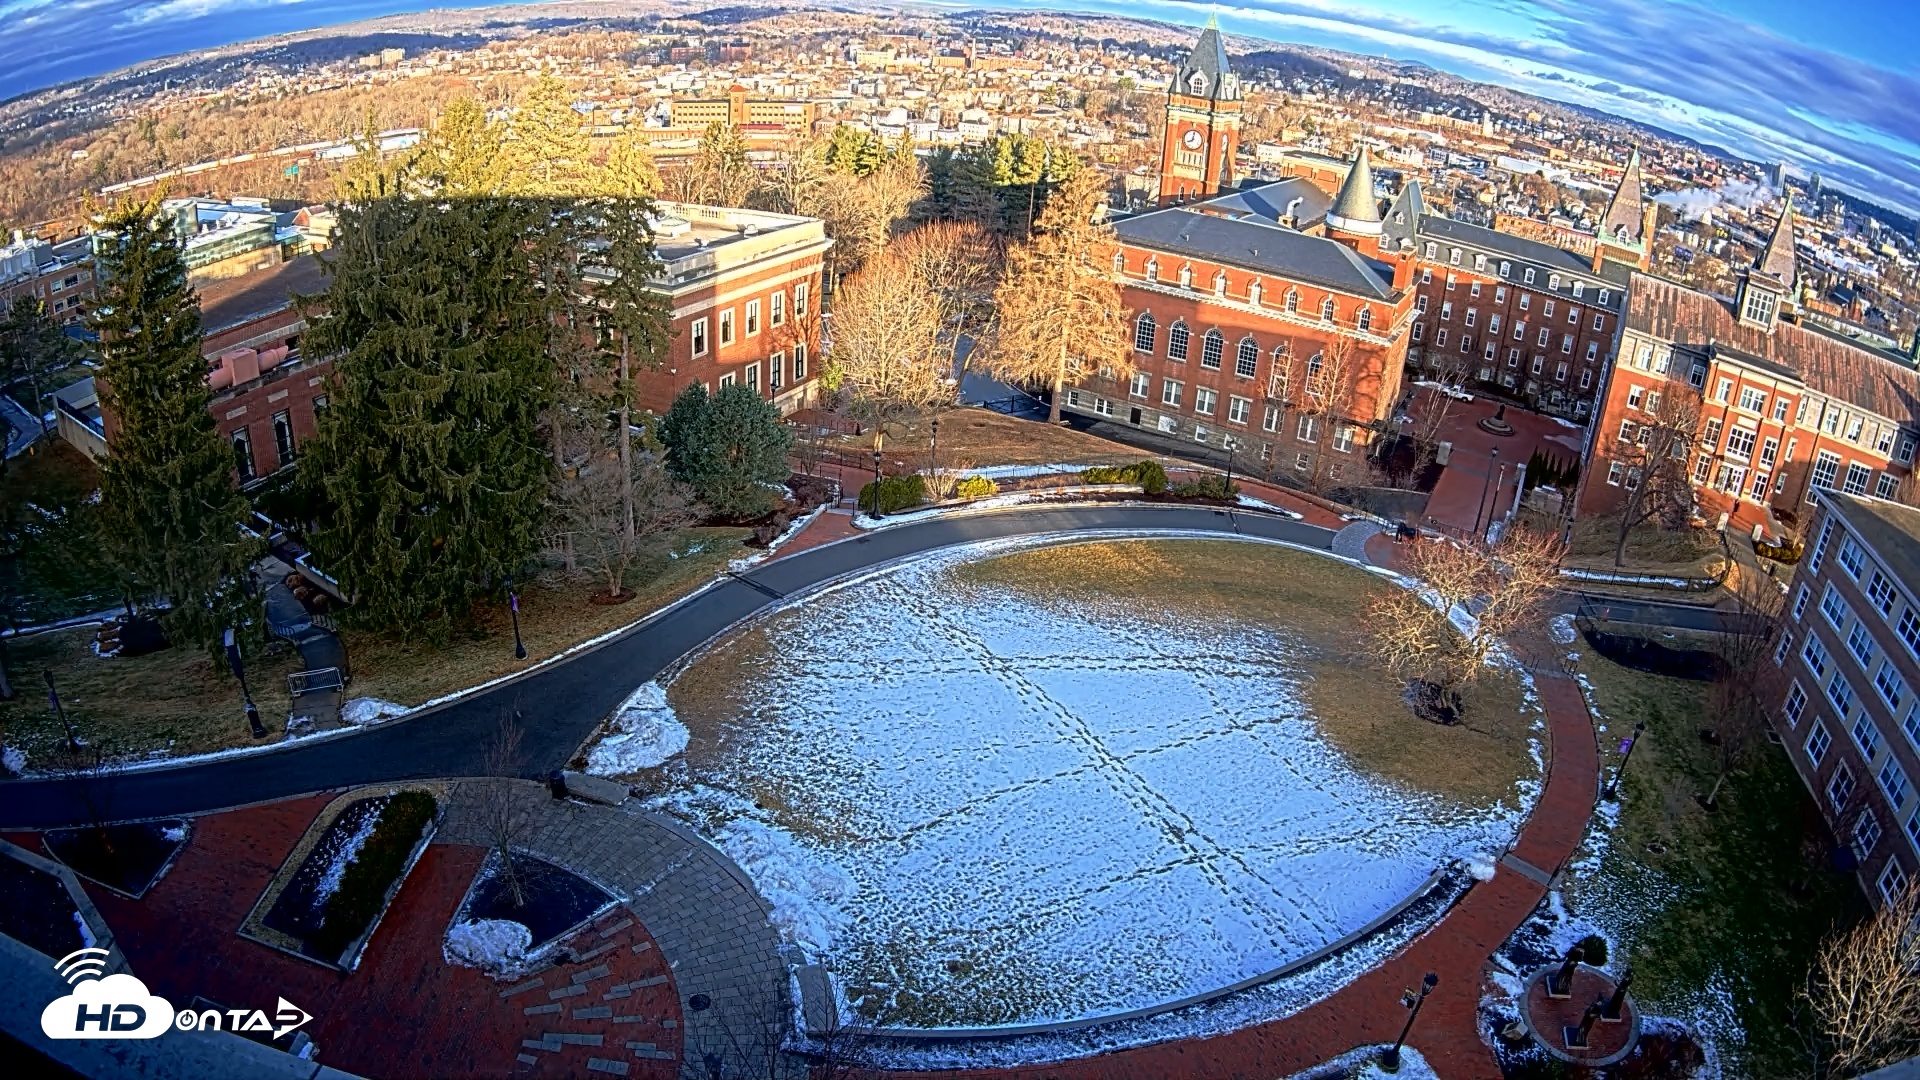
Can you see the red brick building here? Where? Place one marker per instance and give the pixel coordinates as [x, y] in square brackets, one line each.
[1785, 408]
[1516, 317]
[1849, 664]
[58, 275]
[1203, 123]
[1266, 320]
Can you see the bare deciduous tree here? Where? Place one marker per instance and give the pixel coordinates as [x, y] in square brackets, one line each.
[1747, 679]
[1865, 989]
[960, 263]
[502, 812]
[590, 522]
[1060, 310]
[1654, 452]
[1466, 599]
[888, 353]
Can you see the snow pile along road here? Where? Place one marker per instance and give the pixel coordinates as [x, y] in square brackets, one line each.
[642, 734]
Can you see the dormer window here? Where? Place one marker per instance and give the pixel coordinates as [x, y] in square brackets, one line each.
[1433, 250]
[1579, 288]
[1220, 283]
[1506, 268]
[1529, 275]
[1480, 263]
[1553, 282]
[1758, 307]
[1197, 83]
[1453, 256]
[1186, 277]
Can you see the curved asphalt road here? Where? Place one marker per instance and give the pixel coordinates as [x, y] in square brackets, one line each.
[563, 702]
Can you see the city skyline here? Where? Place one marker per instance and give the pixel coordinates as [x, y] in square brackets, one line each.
[1750, 76]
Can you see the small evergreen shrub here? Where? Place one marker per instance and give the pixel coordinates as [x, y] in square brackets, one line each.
[1149, 474]
[896, 493]
[974, 487]
[1211, 486]
[364, 884]
[1593, 950]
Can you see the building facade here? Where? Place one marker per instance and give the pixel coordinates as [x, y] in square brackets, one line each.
[1848, 656]
[1203, 124]
[58, 275]
[740, 112]
[1778, 409]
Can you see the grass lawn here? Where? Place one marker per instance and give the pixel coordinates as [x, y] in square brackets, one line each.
[1359, 706]
[1650, 549]
[178, 702]
[59, 577]
[978, 438]
[1718, 914]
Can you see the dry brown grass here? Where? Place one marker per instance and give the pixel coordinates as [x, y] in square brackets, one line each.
[1359, 706]
[176, 701]
[983, 437]
[1650, 549]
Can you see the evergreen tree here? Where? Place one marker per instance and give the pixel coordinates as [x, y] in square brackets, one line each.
[636, 317]
[630, 172]
[943, 179]
[547, 150]
[439, 318]
[854, 152]
[729, 447]
[462, 156]
[170, 517]
[33, 346]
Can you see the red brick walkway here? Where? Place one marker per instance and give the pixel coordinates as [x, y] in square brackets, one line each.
[404, 1012]
[1466, 486]
[1456, 948]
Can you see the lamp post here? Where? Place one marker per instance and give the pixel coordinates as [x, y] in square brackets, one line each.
[1391, 1059]
[934, 427]
[1229, 441]
[240, 672]
[878, 439]
[53, 700]
[1485, 483]
[513, 608]
[1613, 788]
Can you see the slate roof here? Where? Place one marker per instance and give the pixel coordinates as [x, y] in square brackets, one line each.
[1625, 209]
[1890, 529]
[1520, 248]
[1402, 220]
[1355, 203]
[1667, 311]
[1250, 245]
[1269, 200]
[1208, 59]
[1777, 261]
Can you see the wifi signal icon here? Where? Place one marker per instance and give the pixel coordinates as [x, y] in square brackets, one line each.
[82, 964]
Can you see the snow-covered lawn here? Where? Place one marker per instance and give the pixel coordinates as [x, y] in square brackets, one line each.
[985, 807]
[642, 734]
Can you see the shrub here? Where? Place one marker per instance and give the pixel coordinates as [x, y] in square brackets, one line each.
[896, 493]
[1593, 950]
[974, 487]
[363, 886]
[1211, 486]
[1149, 474]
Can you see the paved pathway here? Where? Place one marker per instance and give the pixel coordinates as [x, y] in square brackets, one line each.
[711, 926]
[562, 702]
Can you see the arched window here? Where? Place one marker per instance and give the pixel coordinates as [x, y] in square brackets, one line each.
[1364, 320]
[1219, 283]
[1198, 84]
[1293, 300]
[1186, 277]
[1153, 269]
[1177, 341]
[1277, 378]
[1316, 375]
[1144, 329]
[1246, 361]
[1212, 347]
[1253, 293]
[1326, 309]
[1119, 262]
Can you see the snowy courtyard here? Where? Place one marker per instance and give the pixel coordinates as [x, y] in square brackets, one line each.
[988, 797]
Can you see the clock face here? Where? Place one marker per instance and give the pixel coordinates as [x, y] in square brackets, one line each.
[1193, 139]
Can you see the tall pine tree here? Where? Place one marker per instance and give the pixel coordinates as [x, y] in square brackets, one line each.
[430, 452]
[730, 447]
[170, 515]
[547, 152]
[463, 155]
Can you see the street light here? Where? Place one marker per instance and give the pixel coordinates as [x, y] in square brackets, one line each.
[240, 672]
[1613, 788]
[1391, 1059]
[1485, 482]
[879, 438]
[513, 608]
[934, 427]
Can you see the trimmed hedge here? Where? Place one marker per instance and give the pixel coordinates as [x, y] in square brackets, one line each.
[897, 493]
[364, 884]
[975, 487]
[1149, 474]
[1210, 486]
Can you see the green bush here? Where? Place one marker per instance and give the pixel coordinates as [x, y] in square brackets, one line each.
[364, 884]
[896, 493]
[974, 487]
[1211, 486]
[1149, 474]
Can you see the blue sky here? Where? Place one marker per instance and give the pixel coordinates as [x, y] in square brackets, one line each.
[1833, 87]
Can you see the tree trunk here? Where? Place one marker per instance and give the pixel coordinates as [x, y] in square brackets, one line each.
[39, 413]
[1627, 516]
[1059, 387]
[1715, 793]
[626, 446]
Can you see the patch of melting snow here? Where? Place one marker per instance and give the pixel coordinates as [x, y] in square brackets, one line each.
[495, 946]
[14, 759]
[1562, 629]
[1054, 796]
[362, 711]
[792, 530]
[86, 932]
[342, 857]
[173, 834]
[642, 734]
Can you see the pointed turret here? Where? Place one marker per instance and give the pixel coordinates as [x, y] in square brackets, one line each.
[1354, 210]
[1777, 261]
[1206, 73]
[1622, 222]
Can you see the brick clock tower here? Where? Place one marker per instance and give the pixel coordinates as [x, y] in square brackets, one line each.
[1203, 123]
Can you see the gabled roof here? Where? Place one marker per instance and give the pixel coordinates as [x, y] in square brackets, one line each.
[1269, 199]
[1777, 261]
[1354, 209]
[1402, 220]
[1522, 249]
[1625, 213]
[1209, 61]
[1268, 249]
[1671, 312]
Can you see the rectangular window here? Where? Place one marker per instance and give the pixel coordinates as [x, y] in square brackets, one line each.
[1909, 630]
[799, 356]
[1800, 602]
[753, 376]
[1825, 467]
[1783, 650]
[1820, 549]
[243, 455]
[1177, 337]
[1271, 420]
[1440, 338]
[1865, 735]
[1893, 688]
[1170, 393]
[1740, 443]
[1817, 658]
[1840, 787]
[1138, 387]
[1203, 399]
[1446, 310]
[1546, 310]
[1796, 705]
[1857, 477]
[1780, 407]
[699, 337]
[1723, 390]
[753, 317]
[1860, 644]
[1307, 429]
[1851, 558]
[1769, 451]
[1238, 409]
[283, 438]
[1880, 594]
[1473, 316]
[1866, 834]
[1343, 437]
[1635, 395]
[1752, 400]
[1835, 609]
[1840, 692]
[1886, 486]
[777, 309]
[1893, 882]
[727, 380]
[776, 370]
[726, 327]
[1817, 743]
[802, 293]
